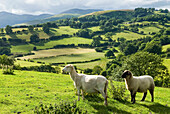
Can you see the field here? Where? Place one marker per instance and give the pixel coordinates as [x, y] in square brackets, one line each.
[57, 52]
[29, 47]
[102, 63]
[165, 47]
[63, 30]
[23, 63]
[20, 93]
[65, 41]
[73, 57]
[53, 31]
[127, 35]
[167, 63]
[151, 29]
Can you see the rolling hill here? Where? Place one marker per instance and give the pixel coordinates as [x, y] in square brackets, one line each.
[63, 15]
[7, 18]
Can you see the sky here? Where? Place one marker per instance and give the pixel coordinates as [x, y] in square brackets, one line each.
[57, 6]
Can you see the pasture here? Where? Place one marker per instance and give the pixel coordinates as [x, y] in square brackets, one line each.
[128, 35]
[165, 47]
[20, 93]
[63, 30]
[23, 63]
[29, 47]
[57, 52]
[72, 57]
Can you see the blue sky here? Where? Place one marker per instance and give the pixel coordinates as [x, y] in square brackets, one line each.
[57, 6]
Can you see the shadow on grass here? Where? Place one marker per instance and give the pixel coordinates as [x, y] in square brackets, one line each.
[94, 102]
[158, 108]
[107, 109]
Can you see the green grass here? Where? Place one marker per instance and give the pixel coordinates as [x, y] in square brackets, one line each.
[146, 30]
[29, 47]
[72, 57]
[23, 63]
[63, 30]
[65, 41]
[166, 62]
[101, 63]
[127, 35]
[165, 47]
[57, 52]
[22, 48]
[97, 28]
[25, 90]
[42, 35]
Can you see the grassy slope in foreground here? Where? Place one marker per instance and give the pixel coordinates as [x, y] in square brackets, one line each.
[25, 90]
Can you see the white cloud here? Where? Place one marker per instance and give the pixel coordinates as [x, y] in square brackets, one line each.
[29, 1]
[56, 6]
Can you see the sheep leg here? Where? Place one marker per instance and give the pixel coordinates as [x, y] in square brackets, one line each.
[144, 96]
[133, 95]
[151, 92]
[78, 94]
[105, 97]
[82, 94]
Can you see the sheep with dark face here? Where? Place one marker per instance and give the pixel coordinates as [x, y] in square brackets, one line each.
[138, 84]
[88, 83]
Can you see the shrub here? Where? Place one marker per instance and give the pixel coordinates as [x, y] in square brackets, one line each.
[62, 108]
[117, 91]
[8, 71]
[88, 71]
[98, 49]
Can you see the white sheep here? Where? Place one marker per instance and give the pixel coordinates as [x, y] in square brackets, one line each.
[138, 84]
[88, 83]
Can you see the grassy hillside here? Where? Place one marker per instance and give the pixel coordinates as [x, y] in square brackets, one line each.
[20, 93]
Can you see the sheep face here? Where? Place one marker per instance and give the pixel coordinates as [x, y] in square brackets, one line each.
[126, 73]
[68, 68]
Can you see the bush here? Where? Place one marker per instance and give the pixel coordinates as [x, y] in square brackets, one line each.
[62, 108]
[8, 71]
[98, 49]
[117, 91]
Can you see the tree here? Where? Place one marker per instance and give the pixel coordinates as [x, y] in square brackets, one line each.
[130, 49]
[46, 28]
[6, 64]
[97, 70]
[109, 54]
[153, 47]
[5, 50]
[96, 41]
[8, 29]
[34, 38]
[31, 28]
[88, 71]
[2, 30]
[144, 63]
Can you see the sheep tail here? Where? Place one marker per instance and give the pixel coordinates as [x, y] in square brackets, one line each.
[105, 89]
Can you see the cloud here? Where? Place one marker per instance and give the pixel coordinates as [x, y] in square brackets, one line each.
[57, 6]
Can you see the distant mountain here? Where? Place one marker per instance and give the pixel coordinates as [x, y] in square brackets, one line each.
[7, 18]
[81, 11]
[66, 14]
[52, 18]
